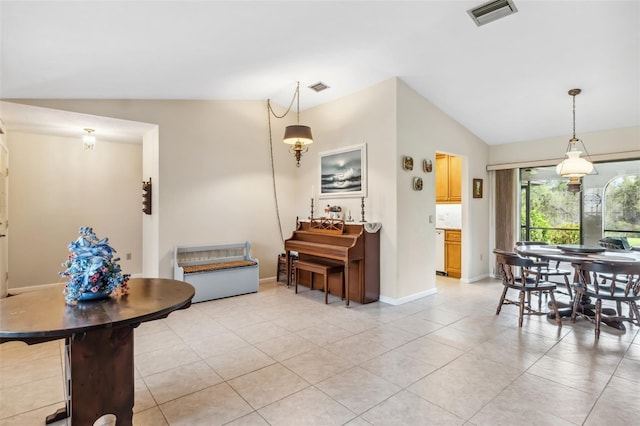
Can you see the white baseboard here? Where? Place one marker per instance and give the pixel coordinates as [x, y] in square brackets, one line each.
[19, 290]
[474, 279]
[411, 298]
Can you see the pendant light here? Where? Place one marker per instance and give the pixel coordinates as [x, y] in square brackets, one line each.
[297, 135]
[573, 166]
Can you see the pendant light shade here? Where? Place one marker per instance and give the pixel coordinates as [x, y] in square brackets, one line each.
[573, 165]
[298, 133]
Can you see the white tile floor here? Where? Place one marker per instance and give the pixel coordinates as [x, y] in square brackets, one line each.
[277, 358]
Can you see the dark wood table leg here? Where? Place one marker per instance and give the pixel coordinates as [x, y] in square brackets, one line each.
[102, 377]
[587, 308]
[63, 413]
[60, 414]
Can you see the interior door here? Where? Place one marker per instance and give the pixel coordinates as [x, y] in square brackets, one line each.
[4, 219]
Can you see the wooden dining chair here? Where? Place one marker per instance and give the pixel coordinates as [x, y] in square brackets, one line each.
[550, 269]
[617, 282]
[520, 274]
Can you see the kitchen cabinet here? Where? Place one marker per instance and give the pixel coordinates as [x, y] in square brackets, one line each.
[448, 181]
[453, 252]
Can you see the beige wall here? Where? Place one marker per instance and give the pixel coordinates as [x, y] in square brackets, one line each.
[366, 117]
[625, 141]
[423, 130]
[214, 176]
[56, 187]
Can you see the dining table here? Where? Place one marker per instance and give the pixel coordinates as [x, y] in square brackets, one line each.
[577, 254]
[98, 337]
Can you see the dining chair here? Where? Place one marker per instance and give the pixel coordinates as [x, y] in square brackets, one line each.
[617, 282]
[550, 269]
[520, 274]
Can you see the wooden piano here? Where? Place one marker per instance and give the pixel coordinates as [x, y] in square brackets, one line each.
[333, 241]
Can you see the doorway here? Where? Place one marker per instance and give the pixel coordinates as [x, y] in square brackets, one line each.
[448, 215]
[4, 217]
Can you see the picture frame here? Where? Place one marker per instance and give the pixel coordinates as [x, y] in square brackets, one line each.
[343, 172]
[477, 188]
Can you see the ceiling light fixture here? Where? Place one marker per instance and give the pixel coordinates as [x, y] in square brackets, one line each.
[88, 140]
[573, 166]
[296, 135]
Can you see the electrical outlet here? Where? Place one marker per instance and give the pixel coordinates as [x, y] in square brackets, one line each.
[128, 256]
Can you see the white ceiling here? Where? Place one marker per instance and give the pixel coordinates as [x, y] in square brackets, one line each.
[506, 81]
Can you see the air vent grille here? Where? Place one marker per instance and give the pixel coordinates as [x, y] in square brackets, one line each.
[319, 86]
[489, 12]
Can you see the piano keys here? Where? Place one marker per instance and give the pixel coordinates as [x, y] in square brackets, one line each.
[349, 245]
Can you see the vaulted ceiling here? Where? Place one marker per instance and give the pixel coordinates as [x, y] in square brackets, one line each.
[505, 81]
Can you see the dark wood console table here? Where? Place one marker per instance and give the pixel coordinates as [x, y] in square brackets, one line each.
[99, 340]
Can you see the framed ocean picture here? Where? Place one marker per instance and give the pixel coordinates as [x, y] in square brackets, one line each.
[343, 172]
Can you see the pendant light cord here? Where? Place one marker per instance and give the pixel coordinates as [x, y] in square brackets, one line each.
[270, 112]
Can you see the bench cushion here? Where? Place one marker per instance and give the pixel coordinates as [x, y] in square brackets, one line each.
[190, 269]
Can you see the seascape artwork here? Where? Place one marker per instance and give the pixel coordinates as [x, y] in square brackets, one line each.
[342, 173]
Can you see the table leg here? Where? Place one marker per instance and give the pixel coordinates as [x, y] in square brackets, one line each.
[587, 308]
[102, 378]
[63, 413]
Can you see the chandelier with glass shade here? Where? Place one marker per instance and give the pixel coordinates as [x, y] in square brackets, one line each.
[573, 166]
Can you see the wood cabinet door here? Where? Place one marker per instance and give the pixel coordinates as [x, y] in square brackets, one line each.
[442, 178]
[455, 173]
[453, 259]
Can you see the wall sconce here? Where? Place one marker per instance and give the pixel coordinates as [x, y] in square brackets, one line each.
[298, 136]
[146, 196]
[88, 140]
[427, 166]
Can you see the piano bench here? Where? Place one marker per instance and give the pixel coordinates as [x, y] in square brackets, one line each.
[316, 267]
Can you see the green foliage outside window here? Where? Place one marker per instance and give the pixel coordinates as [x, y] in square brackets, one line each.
[555, 210]
[622, 207]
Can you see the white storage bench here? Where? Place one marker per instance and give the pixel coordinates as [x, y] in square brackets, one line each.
[217, 271]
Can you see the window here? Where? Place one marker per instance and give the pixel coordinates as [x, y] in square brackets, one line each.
[548, 211]
[609, 205]
[622, 208]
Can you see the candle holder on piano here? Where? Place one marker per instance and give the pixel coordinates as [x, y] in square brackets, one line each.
[311, 217]
[362, 207]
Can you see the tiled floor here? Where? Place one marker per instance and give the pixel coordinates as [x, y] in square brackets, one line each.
[277, 358]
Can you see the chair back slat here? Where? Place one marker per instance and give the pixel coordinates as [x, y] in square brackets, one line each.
[622, 278]
[507, 261]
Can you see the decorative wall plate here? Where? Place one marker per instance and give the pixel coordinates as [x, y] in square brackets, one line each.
[407, 163]
[417, 183]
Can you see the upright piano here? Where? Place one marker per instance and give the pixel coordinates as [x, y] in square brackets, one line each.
[351, 245]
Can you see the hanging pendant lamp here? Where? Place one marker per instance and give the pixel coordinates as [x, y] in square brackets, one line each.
[297, 135]
[573, 166]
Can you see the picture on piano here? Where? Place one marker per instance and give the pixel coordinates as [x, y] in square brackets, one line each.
[343, 172]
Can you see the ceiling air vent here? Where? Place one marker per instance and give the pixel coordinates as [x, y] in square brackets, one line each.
[319, 86]
[491, 11]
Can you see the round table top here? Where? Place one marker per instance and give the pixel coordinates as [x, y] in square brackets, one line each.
[42, 315]
[574, 255]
